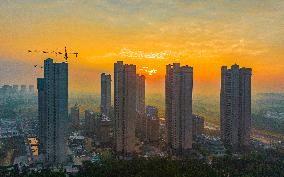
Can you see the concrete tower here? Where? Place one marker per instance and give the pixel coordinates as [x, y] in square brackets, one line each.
[235, 106]
[124, 108]
[140, 94]
[53, 111]
[179, 85]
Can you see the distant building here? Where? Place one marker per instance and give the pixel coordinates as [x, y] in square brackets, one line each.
[23, 89]
[90, 122]
[15, 88]
[140, 94]
[153, 124]
[53, 111]
[106, 94]
[124, 108]
[6, 90]
[179, 84]
[75, 117]
[140, 107]
[31, 89]
[197, 125]
[235, 106]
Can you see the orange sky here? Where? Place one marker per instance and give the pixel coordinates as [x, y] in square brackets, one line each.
[205, 35]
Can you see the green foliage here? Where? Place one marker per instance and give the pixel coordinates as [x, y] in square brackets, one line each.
[44, 173]
[258, 164]
[267, 163]
[152, 167]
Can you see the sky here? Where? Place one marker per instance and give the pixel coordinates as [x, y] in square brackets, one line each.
[204, 34]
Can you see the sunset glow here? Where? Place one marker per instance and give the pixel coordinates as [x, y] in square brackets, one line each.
[150, 34]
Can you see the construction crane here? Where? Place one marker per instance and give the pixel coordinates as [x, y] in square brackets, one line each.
[66, 54]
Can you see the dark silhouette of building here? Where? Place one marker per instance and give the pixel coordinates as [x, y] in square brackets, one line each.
[106, 94]
[140, 94]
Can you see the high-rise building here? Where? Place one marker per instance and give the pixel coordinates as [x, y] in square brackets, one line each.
[152, 124]
[53, 111]
[179, 85]
[140, 107]
[106, 94]
[42, 130]
[140, 94]
[75, 117]
[235, 106]
[124, 108]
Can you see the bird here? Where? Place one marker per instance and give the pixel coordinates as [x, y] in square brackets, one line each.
[29, 51]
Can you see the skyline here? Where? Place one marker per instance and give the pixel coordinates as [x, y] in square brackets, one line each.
[141, 88]
[205, 35]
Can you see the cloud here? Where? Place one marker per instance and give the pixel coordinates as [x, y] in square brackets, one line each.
[139, 54]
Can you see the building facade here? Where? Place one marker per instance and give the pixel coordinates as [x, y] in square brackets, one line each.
[235, 106]
[106, 94]
[124, 108]
[53, 111]
[178, 88]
